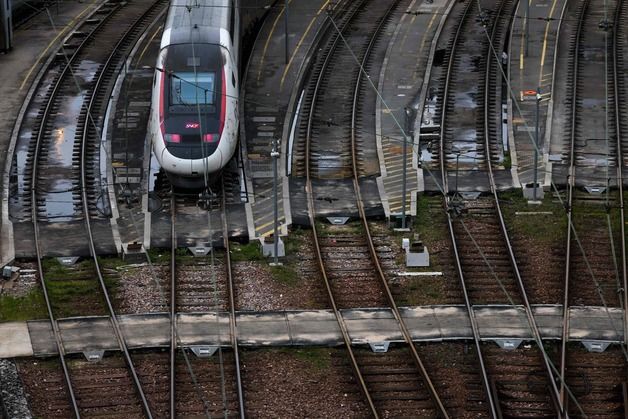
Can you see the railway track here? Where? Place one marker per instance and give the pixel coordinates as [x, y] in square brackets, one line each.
[594, 274]
[67, 108]
[395, 383]
[212, 388]
[43, 175]
[484, 259]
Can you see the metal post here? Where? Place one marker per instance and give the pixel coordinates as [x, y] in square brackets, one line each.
[275, 154]
[536, 143]
[457, 159]
[404, 171]
[527, 26]
[285, 17]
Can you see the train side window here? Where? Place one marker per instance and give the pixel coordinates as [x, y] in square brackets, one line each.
[233, 80]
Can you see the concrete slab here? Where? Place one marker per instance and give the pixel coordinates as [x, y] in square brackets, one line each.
[151, 330]
[310, 328]
[596, 323]
[93, 333]
[15, 340]
[549, 320]
[371, 325]
[453, 322]
[263, 329]
[42, 338]
[422, 323]
[203, 329]
[503, 322]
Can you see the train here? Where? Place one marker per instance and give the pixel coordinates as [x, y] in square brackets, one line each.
[194, 120]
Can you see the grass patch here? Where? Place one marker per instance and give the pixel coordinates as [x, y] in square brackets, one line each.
[585, 213]
[74, 298]
[430, 222]
[546, 228]
[507, 162]
[159, 255]
[245, 252]
[54, 270]
[29, 307]
[325, 229]
[112, 262]
[286, 274]
[294, 240]
[317, 358]
[424, 291]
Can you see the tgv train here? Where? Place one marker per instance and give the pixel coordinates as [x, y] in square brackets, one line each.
[194, 113]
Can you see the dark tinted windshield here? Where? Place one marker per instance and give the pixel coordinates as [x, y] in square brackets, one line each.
[194, 77]
[188, 88]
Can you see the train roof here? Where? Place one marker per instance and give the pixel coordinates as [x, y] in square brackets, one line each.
[196, 21]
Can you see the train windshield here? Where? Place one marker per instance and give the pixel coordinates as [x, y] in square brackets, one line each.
[188, 88]
[194, 74]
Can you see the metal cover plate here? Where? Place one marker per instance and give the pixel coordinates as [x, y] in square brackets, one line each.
[338, 220]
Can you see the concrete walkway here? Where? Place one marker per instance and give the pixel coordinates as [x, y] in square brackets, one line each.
[311, 328]
[269, 92]
[400, 85]
[532, 69]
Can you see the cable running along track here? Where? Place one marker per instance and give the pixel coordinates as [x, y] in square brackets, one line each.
[486, 264]
[594, 274]
[175, 342]
[107, 26]
[340, 289]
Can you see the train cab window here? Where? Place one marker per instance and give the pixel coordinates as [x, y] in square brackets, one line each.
[188, 88]
[233, 80]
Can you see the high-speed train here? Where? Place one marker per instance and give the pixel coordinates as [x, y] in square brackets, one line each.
[194, 111]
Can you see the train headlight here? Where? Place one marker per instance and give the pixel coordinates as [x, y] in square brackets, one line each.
[211, 138]
[172, 138]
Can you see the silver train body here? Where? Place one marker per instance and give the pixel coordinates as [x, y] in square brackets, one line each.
[194, 111]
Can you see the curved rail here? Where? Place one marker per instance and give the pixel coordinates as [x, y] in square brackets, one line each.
[232, 313]
[34, 216]
[173, 296]
[491, 61]
[311, 214]
[573, 161]
[85, 203]
[447, 202]
[173, 303]
[319, 79]
[620, 162]
[380, 272]
[570, 187]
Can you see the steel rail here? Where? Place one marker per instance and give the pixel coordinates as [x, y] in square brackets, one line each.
[447, 203]
[491, 61]
[232, 313]
[173, 304]
[34, 210]
[92, 248]
[311, 214]
[570, 187]
[620, 162]
[374, 257]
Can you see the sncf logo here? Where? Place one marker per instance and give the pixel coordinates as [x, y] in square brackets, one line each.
[192, 125]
